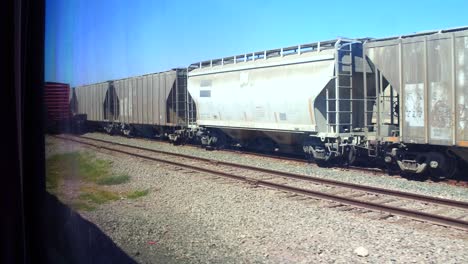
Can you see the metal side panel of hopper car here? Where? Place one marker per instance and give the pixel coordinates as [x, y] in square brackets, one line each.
[90, 101]
[273, 94]
[150, 99]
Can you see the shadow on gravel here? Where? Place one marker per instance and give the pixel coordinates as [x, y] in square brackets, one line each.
[72, 239]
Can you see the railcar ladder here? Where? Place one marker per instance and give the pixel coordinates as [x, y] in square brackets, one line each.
[377, 102]
[181, 98]
[339, 102]
[191, 112]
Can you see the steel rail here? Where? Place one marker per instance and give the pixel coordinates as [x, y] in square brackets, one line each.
[433, 218]
[370, 189]
[272, 156]
[301, 160]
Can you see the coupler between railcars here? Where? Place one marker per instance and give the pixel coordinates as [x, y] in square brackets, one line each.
[115, 128]
[111, 128]
[182, 136]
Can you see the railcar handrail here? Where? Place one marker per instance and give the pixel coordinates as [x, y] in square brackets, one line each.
[271, 53]
[422, 33]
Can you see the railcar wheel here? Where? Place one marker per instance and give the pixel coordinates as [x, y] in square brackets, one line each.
[109, 129]
[322, 163]
[217, 140]
[127, 130]
[448, 169]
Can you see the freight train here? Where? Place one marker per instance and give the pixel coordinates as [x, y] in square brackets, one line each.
[396, 102]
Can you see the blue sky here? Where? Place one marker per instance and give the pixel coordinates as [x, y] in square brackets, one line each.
[90, 41]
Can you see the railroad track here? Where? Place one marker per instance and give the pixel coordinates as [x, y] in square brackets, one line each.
[374, 171]
[302, 160]
[279, 156]
[370, 171]
[419, 207]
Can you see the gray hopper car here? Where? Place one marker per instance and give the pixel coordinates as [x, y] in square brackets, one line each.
[152, 105]
[422, 85]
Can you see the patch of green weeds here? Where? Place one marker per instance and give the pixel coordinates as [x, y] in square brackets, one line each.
[91, 174]
[97, 196]
[137, 194]
[59, 167]
[82, 166]
[113, 179]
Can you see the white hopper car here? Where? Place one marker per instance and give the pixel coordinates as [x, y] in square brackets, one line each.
[277, 99]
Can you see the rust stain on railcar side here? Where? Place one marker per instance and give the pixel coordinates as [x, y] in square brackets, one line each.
[311, 112]
[392, 139]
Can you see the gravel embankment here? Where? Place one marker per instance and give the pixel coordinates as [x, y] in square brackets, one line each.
[189, 217]
[358, 177]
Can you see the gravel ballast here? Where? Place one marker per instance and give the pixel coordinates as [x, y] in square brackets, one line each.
[190, 217]
[352, 176]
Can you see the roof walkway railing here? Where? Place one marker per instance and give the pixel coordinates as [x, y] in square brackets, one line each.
[266, 54]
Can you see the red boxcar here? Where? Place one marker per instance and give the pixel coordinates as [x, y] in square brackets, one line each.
[57, 106]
